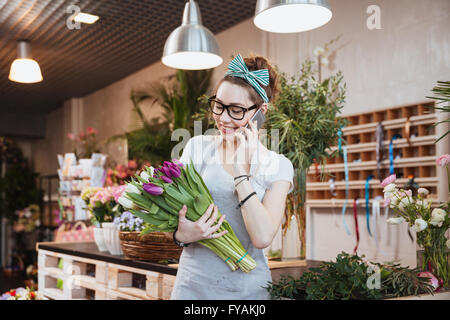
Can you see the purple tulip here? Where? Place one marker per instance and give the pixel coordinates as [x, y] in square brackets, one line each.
[174, 171]
[152, 189]
[178, 163]
[166, 171]
[166, 179]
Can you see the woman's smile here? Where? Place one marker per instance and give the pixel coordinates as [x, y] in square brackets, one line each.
[227, 129]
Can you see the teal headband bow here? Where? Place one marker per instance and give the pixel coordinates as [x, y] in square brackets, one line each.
[237, 68]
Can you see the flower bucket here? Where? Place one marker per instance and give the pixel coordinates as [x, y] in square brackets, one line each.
[112, 241]
[100, 239]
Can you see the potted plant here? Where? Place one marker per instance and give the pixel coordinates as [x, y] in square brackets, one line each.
[85, 143]
[352, 278]
[102, 206]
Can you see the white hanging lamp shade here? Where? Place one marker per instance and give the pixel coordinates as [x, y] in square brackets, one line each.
[24, 69]
[289, 16]
[191, 46]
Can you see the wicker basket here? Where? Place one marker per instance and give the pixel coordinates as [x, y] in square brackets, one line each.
[154, 246]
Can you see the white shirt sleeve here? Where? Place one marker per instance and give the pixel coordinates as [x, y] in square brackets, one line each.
[279, 168]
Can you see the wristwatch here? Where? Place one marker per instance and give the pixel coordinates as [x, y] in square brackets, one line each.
[178, 243]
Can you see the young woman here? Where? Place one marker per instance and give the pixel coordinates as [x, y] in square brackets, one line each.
[237, 169]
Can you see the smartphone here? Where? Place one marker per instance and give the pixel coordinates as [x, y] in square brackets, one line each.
[259, 117]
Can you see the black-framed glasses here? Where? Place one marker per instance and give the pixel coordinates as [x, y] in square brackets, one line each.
[235, 112]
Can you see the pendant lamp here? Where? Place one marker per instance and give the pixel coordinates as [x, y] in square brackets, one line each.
[191, 46]
[289, 16]
[24, 69]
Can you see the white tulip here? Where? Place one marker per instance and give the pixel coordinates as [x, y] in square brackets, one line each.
[145, 176]
[126, 203]
[423, 191]
[132, 189]
[397, 220]
[419, 225]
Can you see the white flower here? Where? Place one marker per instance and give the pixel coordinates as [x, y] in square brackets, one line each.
[448, 243]
[145, 176]
[324, 61]
[404, 202]
[397, 220]
[423, 191]
[438, 213]
[419, 225]
[125, 202]
[390, 188]
[318, 51]
[132, 189]
[437, 217]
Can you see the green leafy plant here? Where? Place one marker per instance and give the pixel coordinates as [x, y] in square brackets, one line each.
[178, 95]
[347, 278]
[442, 95]
[306, 115]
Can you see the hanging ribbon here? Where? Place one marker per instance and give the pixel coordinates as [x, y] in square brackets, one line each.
[379, 148]
[391, 153]
[355, 216]
[368, 204]
[344, 208]
[375, 217]
[332, 187]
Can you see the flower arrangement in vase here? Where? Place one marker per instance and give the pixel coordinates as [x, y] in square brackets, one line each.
[429, 224]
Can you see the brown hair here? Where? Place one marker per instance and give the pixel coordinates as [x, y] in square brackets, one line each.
[255, 62]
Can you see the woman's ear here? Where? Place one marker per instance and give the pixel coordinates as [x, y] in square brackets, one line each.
[264, 107]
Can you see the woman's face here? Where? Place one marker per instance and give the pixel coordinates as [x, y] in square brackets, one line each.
[232, 94]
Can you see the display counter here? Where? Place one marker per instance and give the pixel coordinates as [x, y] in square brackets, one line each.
[86, 273]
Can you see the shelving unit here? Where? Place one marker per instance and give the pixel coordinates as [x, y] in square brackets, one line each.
[414, 155]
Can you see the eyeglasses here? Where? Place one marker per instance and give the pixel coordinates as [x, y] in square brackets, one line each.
[235, 112]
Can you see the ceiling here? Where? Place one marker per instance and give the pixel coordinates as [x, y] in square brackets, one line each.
[129, 36]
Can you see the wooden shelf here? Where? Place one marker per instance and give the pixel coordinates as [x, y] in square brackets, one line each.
[413, 157]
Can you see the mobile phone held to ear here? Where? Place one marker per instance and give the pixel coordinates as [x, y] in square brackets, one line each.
[259, 117]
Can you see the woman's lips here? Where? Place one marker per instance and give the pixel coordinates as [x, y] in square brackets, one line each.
[227, 130]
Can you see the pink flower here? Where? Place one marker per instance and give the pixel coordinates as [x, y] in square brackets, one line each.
[90, 131]
[388, 180]
[433, 280]
[132, 164]
[71, 136]
[443, 160]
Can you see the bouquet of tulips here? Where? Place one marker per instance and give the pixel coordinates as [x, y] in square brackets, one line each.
[157, 195]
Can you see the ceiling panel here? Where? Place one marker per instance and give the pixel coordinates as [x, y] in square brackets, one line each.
[129, 36]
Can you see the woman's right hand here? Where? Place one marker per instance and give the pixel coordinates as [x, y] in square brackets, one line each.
[203, 228]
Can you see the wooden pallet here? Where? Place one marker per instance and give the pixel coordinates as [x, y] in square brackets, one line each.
[92, 279]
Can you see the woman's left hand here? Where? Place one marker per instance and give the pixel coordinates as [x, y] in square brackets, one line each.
[248, 143]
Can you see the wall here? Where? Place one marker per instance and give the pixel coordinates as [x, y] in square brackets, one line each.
[396, 65]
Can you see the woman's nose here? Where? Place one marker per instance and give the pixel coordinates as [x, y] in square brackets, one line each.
[225, 117]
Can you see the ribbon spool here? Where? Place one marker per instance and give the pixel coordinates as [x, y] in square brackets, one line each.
[368, 204]
[391, 153]
[355, 216]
